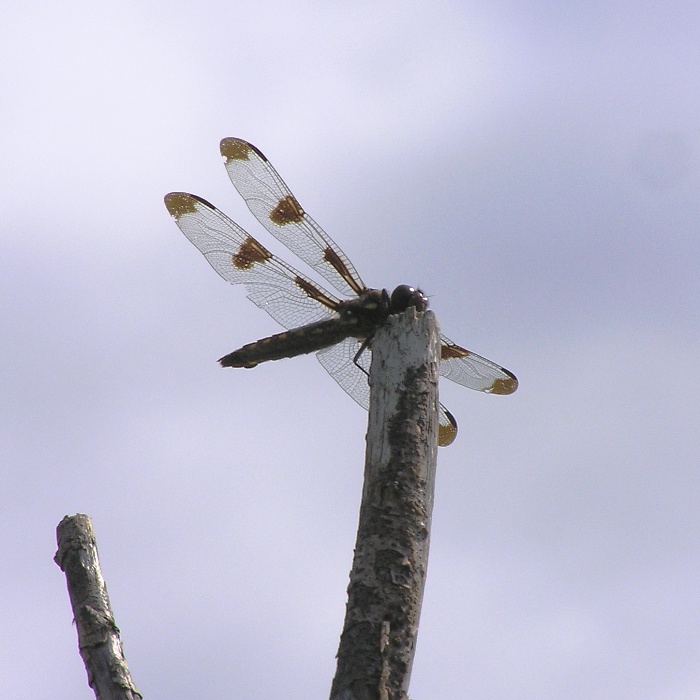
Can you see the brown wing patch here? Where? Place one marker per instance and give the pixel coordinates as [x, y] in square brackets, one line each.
[314, 292]
[234, 149]
[447, 428]
[504, 386]
[446, 434]
[287, 211]
[249, 253]
[180, 203]
[335, 261]
[450, 352]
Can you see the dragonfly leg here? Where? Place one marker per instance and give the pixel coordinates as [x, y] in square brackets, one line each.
[355, 360]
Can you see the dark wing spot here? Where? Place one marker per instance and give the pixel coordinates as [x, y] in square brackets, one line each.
[330, 256]
[505, 386]
[249, 253]
[314, 292]
[180, 203]
[450, 352]
[287, 211]
[447, 433]
[234, 149]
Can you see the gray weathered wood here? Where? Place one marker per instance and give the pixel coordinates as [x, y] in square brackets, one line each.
[98, 634]
[378, 641]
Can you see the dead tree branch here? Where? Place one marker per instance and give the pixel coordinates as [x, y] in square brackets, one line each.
[98, 634]
[378, 641]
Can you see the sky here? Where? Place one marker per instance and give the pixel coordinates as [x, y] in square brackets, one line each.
[533, 166]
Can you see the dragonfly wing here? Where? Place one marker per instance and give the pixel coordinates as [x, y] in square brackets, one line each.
[337, 360]
[288, 296]
[473, 371]
[279, 211]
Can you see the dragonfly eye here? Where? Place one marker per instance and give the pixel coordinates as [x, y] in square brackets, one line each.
[404, 296]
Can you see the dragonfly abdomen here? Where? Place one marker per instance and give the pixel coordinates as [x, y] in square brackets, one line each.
[299, 341]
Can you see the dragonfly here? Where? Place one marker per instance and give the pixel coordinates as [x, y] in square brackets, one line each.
[338, 329]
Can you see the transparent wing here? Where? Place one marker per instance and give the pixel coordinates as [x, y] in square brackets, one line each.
[290, 298]
[473, 371]
[337, 360]
[277, 209]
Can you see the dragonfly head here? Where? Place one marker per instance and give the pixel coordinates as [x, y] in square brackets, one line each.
[404, 296]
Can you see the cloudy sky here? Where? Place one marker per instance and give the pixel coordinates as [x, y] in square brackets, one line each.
[534, 166]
